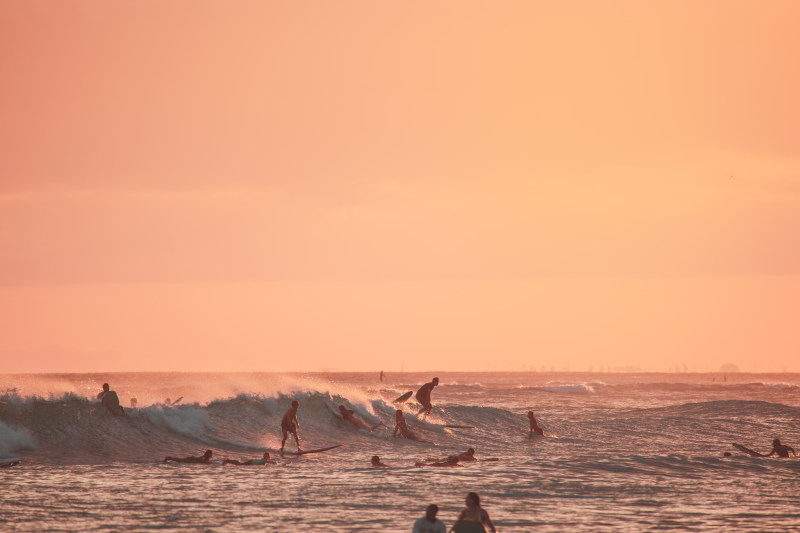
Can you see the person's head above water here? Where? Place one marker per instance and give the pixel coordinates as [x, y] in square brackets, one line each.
[265, 456]
[375, 460]
[435, 381]
[430, 512]
[530, 414]
[776, 442]
[471, 451]
[105, 387]
[295, 403]
[473, 500]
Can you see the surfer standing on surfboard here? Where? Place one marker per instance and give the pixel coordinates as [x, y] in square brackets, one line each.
[289, 424]
[423, 396]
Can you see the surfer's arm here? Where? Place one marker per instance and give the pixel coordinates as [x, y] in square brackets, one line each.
[488, 521]
[773, 452]
[296, 422]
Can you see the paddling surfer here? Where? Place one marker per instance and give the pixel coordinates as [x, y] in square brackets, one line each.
[781, 450]
[468, 455]
[536, 429]
[290, 424]
[452, 460]
[110, 401]
[265, 460]
[474, 513]
[348, 415]
[204, 459]
[423, 396]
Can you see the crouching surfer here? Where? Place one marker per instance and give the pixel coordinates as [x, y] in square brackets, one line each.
[265, 460]
[203, 459]
[111, 401]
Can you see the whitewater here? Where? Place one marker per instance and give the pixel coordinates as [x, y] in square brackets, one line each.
[621, 452]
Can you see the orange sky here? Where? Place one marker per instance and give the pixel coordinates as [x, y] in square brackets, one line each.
[427, 185]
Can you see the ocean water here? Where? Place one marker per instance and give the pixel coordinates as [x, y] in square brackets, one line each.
[622, 452]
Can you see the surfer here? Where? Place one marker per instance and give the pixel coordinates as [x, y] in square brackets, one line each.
[536, 429]
[429, 523]
[402, 427]
[475, 513]
[205, 458]
[382, 375]
[348, 415]
[290, 424]
[377, 463]
[452, 460]
[265, 460]
[468, 455]
[110, 401]
[781, 450]
[423, 396]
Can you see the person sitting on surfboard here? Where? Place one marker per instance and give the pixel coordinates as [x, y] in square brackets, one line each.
[452, 460]
[474, 513]
[429, 523]
[205, 458]
[377, 463]
[423, 396]
[781, 450]
[265, 460]
[290, 424]
[111, 401]
[402, 427]
[535, 428]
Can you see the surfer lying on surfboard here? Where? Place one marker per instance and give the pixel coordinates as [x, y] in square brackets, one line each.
[205, 458]
[402, 427]
[377, 463]
[348, 415]
[265, 460]
[452, 460]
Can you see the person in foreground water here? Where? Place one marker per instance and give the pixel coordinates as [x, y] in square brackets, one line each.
[781, 450]
[423, 396]
[429, 523]
[377, 463]
[474, 513]
[110, 401]
[265, 460]
[204, 459]
[536, 429]
[290, 424]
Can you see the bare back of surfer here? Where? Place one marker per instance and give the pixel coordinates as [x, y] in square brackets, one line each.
[451, 460]
[289, 424]
[348, 415]
[205, 458]
[423, 396]
[535, 427]
[401, 427]
[110, 401]
[781, 450]
[474, 512]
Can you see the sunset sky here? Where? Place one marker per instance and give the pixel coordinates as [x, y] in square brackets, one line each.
[293, 186]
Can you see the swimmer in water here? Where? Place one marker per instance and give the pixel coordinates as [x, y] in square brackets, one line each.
[377, 463]
[781, 450]
[535, 428]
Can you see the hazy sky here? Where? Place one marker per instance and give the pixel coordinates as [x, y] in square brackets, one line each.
[459, 185]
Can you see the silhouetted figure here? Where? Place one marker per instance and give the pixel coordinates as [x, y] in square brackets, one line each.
[781, 450]
[535, 428]
[348, 415]
[452, 460]
[134, 402]
[474, 512]
[401, 427]
[111, 401]
[382, 375]
[377, 463]
[290, 424]
[429, 523]
[423, 396]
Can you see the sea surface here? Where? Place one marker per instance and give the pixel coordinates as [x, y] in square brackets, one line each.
[621, 452]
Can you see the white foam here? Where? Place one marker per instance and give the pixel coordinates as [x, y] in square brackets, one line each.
[571, 388]
[13, 440]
